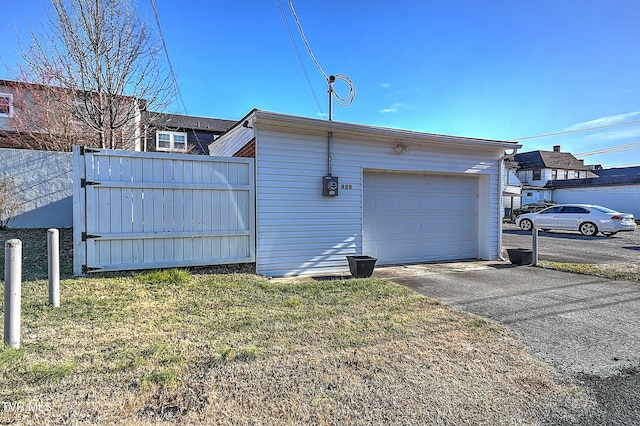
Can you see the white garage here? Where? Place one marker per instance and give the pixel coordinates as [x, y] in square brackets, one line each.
[418, 217]
[398, 195]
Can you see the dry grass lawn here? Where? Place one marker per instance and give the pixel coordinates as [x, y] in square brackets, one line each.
[235, 348]
[629, 272]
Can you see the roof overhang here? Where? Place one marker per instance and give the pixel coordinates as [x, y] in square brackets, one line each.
[272, 119]
[511, 190]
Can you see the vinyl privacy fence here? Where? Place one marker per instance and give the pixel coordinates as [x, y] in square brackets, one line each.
[137, 210]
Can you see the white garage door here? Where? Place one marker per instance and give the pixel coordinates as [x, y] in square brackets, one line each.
[420, 217]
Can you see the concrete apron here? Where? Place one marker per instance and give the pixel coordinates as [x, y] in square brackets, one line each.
[577, 323]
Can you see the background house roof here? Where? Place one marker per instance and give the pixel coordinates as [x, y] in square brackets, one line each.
[214, 125]
[605, 177]
[620, 172]
[549, 160]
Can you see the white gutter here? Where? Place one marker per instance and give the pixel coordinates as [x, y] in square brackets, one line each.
[501, 190]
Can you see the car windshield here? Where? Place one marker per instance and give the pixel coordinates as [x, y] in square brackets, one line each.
[604, 209]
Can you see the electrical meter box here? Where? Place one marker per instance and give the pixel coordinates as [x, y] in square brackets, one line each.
[330, 186]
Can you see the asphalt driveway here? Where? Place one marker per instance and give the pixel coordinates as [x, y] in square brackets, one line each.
[577, 323]
[582, 325]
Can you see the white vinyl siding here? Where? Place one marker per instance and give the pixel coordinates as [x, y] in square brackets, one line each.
[299, 229]
[300, 232]
[231, 143]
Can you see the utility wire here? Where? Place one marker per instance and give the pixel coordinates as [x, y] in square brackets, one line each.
[304, 39]
[341, 100]
[626, 147]
[297, 52]
[166, 52]
[565, 132]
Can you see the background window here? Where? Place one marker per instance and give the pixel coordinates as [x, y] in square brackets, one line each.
[171, 141]
[6, 105]
[537, 174]
[180, 142]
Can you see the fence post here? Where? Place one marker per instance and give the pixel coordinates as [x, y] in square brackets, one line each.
[12, 292]
[534, 251]
[53, 245]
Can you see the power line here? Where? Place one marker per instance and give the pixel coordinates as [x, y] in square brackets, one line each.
[166, 52]
[342, 100]
[304, 39]
[626, 147]
[297, 52]
[565, 132]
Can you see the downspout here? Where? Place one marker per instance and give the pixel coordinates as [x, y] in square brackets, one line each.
[500, 208]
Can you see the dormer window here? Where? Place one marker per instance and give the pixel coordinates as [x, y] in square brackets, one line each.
[6, 105]
[171, 141]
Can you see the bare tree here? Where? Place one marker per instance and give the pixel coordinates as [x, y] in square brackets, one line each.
[10, 201]
[97, 67]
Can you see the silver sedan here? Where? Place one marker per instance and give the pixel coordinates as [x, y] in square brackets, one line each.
[589, 219]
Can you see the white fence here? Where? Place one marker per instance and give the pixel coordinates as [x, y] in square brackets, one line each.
[137, 210]
[44, 185]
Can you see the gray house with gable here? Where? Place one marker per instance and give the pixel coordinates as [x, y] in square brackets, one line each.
[535, 169]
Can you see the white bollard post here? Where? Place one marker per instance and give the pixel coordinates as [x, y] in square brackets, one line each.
[53, 245]
[12, 292]
[534, 251]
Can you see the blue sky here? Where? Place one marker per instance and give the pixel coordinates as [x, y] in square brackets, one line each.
[488, 69]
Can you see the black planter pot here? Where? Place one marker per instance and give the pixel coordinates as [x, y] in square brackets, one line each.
[361, 266]
[520, 256]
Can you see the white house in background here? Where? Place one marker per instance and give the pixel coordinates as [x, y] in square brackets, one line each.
[537, 168]
[559, 176]
[327, 189]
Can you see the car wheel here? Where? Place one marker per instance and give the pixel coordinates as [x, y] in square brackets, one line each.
[588, 229]
[526, 225]
[609, 234]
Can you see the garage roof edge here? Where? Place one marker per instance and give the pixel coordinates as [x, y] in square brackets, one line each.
[293, 121]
